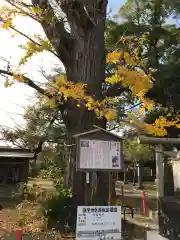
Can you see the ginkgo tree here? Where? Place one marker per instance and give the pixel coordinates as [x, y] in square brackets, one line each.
[81, 49]
[75, 35]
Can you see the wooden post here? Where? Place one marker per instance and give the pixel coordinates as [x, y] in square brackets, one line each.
[122, 195]
[125, 174]
[144, 204]
[110, 189]
[134, 175]
[162, 218]
[139, 170]
[159, 182]
[18, 234]
[159, 171]
[87, 189]
[151, 172]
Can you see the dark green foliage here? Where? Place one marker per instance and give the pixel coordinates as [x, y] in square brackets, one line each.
[166, 89]
[137, 153]
[114, 31]
[60, 209]
[161, 52]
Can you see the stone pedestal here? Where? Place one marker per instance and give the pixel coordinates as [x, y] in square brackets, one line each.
[152, 235]
[169, 213]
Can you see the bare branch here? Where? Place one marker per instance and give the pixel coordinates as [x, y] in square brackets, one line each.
[43, 139]
[12, 118]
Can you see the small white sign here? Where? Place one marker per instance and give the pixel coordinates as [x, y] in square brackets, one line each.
[98, 222]
[97, 154]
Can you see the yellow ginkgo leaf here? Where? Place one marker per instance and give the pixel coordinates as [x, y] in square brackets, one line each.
[7, 24]
[110, 114]
[19, 78]
[89, 105]
[7, 83]
[13, 35]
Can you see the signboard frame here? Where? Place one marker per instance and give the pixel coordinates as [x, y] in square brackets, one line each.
[99, 135]
[91, 224]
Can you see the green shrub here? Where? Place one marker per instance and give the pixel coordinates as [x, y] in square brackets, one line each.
[60, 208]
[52, 172]
[32, 193]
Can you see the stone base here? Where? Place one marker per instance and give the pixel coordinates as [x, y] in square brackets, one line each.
[153, 215]
[152, 235]
[169, 212]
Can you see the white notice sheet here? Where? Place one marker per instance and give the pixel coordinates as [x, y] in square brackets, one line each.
[96, 154]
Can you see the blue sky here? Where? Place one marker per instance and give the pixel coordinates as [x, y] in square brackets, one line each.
[115, 4]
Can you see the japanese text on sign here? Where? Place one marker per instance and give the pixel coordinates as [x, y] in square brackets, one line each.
[96, 154]
[101, 222]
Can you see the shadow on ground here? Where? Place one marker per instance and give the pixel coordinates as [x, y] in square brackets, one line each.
[9, 204]
[136, 202]
[131, 231]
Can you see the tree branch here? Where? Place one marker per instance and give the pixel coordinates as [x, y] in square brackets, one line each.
[20, 9]
[82, 11]
[53, 28]
[30, 39]
[114, 90]
[135, 105]
[43, 139]
[28, 82]
[55, 31]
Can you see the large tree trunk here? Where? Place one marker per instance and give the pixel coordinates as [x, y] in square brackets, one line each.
[82, 51]
[86, 64]
[98, 185]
